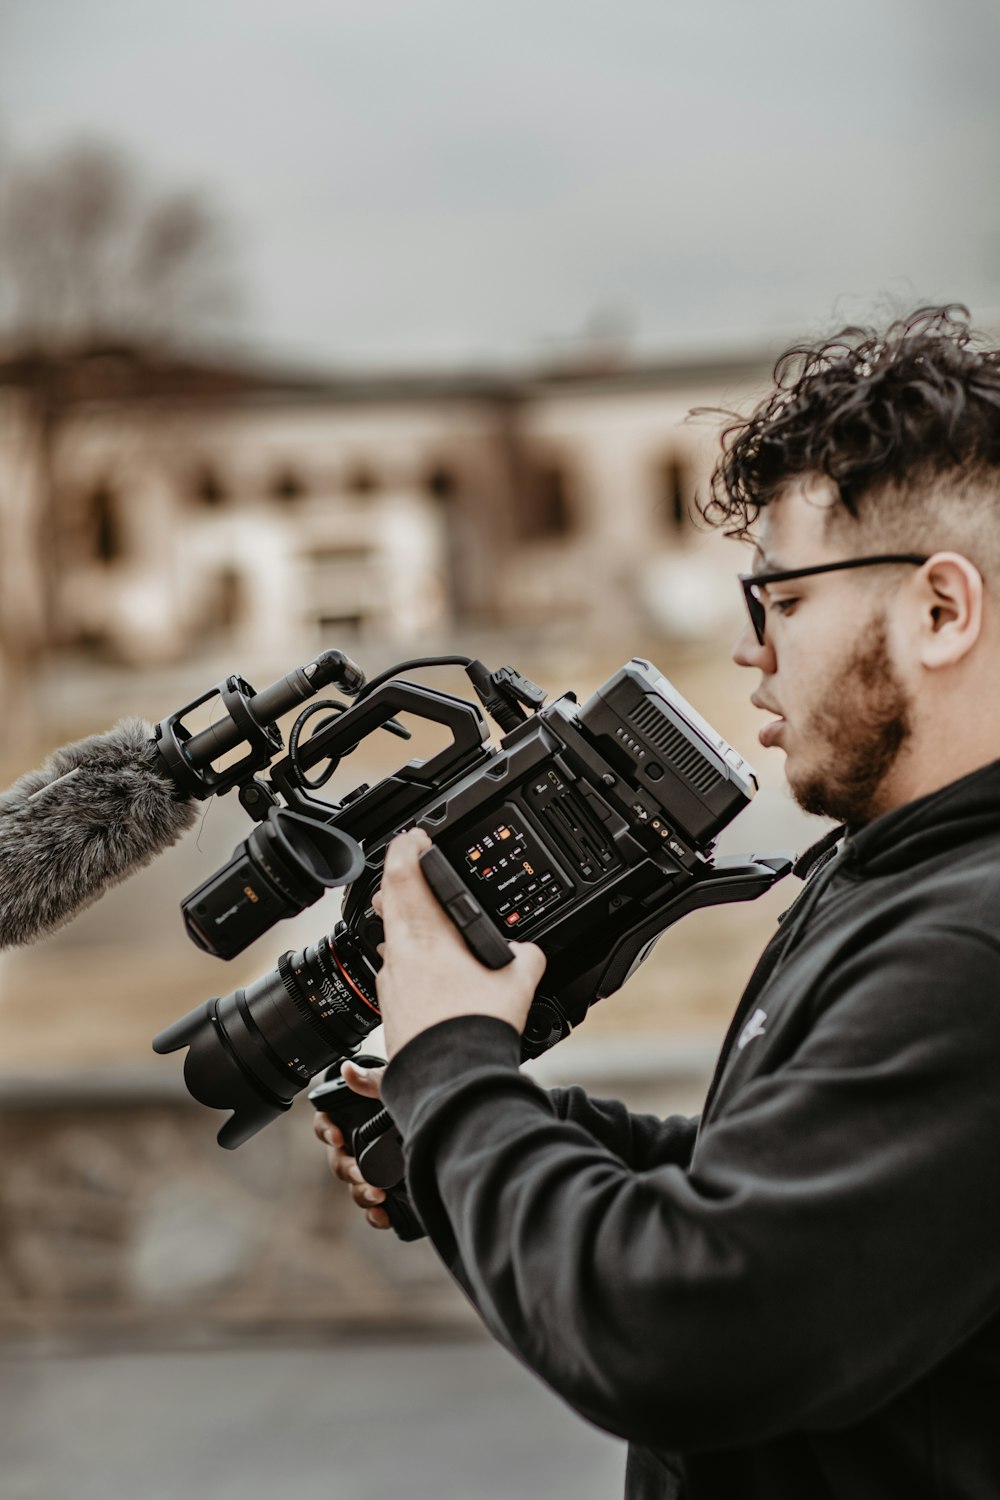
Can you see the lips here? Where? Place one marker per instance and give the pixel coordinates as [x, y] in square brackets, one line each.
[770, 732]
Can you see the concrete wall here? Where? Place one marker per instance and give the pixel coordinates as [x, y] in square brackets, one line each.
[122, 1220]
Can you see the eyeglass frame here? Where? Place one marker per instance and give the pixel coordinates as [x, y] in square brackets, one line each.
[757, 610]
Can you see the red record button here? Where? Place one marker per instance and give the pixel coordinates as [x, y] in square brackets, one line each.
[514, 917]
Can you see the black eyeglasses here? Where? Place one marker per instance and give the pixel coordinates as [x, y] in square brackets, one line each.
[751, 582]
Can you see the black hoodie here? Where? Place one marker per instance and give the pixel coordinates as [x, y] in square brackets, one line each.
[798, 1297]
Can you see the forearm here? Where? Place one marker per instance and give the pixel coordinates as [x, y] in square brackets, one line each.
[640, 1141]
[535, 1218]
[768, 1287]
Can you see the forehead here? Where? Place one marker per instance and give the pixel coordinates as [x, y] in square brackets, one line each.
[793, 530]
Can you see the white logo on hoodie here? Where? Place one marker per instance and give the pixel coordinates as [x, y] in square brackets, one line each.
[754, 1027]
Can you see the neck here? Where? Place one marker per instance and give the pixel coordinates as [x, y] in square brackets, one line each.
[945, 745]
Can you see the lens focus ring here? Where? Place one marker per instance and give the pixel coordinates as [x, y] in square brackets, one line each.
[325, 991]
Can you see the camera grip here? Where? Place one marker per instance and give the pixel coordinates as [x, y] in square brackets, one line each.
[478, 931]
[378, 1151]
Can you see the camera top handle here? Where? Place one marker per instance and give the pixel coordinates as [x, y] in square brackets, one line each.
[378, 811]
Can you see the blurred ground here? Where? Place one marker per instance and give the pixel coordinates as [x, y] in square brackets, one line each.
[440, 1420]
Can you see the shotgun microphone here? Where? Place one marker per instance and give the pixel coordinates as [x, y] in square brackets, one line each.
[94, 813]
[102, 808]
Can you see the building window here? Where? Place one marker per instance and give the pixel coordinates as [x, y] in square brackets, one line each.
[441, 483]
[361, 480]
[229, 599]
[287, 485]
[105, 525]
[332, 626]
[207, 488]
[672, 503]
[550, 504]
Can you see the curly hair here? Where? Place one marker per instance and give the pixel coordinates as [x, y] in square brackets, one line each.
[880, 414]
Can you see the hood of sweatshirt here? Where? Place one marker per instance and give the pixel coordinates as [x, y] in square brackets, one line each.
[951, 817]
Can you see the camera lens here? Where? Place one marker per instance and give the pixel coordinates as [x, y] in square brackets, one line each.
[332, 985]
[255, 1049]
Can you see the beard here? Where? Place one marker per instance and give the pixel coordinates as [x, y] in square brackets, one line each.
[859, 729]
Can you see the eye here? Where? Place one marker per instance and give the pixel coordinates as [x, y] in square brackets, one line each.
[784, 606]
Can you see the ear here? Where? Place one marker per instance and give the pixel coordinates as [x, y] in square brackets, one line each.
[950, 604]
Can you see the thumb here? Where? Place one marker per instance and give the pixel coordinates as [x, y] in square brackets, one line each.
[529, 963]
[366, 1081]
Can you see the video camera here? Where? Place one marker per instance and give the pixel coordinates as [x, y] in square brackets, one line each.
[588, 830]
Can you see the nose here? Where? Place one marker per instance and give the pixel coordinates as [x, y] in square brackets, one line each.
[748, 652]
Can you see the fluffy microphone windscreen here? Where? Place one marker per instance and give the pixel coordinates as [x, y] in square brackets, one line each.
[92, 814]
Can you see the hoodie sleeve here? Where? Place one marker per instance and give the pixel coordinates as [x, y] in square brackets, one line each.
[640, 1141]
[831, 1241]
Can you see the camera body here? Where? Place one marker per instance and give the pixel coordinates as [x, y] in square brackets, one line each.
[582, 824]
[588, 830]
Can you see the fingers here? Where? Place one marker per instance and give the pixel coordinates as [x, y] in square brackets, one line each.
[325, 1130]
[347, 1170]
[344, 1166]
[364, 1195]
[367, 1196]
[403, 853]
[366, 1081]
[407, 899]
[407, 902]
[530, 961]
[413, 838]
[340, 1162]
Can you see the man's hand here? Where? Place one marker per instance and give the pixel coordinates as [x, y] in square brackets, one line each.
[366, 1081]
[428, 974]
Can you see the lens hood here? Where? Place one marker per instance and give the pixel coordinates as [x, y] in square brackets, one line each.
[214, 1075]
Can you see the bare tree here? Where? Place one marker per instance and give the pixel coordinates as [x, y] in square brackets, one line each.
[89, 258]
[102, 279]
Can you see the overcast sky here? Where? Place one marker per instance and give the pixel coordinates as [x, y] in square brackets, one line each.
[414, 181]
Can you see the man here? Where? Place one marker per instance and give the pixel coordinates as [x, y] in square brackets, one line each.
[797, 1296]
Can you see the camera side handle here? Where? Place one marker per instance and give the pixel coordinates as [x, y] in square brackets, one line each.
[373, 1140]
[478, 931]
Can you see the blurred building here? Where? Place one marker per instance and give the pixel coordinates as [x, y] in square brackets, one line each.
[154, 513]
[152, 507]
